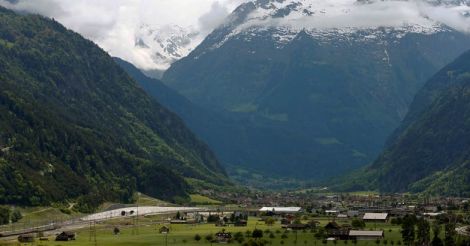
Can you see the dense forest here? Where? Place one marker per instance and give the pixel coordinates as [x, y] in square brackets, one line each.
[74, 125]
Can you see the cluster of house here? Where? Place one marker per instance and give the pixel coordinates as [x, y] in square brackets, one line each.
[236, 218]
[31, 237]
[359, 212]
[335, 231]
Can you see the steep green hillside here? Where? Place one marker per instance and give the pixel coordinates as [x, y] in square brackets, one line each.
[74, 123]
[430, 152]
[213, 127]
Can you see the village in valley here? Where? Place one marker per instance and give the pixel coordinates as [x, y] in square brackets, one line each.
[284, 218]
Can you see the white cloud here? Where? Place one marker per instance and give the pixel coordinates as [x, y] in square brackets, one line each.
[368, 14]
[114, 24]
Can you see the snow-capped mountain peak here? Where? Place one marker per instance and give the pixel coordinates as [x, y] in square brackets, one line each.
[167, 44]
[321, 14]
[325, 19]
[335, 19]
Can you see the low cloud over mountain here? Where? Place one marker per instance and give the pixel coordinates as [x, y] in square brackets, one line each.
[154, 34]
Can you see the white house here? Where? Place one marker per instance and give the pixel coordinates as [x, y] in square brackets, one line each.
[281, 209]
[375, 217]
[366, 235]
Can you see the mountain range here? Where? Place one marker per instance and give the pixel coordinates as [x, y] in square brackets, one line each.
[298, 90]
[308, 96]
[76, 126]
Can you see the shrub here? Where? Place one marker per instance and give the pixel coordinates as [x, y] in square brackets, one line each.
[356, 223]
[16, 216]
[213, 218]
[4, 215]
[65, 211]
[209, 237]
[257, 233]
[238, 237]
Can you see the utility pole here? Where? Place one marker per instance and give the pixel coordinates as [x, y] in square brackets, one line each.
[166, 239]
[135, 228]
[295, 237]
[92, 230]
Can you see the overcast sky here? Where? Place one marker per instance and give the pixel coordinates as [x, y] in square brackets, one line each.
[113, 23]
[96, 18]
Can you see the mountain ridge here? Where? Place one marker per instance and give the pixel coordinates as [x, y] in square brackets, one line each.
[428, 153]
[312, 102]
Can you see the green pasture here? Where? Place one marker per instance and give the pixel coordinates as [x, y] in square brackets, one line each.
[147, 233]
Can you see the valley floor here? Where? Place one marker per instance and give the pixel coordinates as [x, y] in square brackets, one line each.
[147, 233]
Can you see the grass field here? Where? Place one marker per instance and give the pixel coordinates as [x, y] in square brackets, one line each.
[203, 200]
[147, 234]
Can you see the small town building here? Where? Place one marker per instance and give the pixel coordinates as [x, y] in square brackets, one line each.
[432, 215]
[365, 235]
[296, 227]
[164, 230]
[331, 212]
[431, 209]
[399, 212]
[314, 223]
[241, 223]
[353, 213]
[348, 226]
[26, 238]
[223, 237]
[332, 226]
[334, 230]
[342, 216]
[285, 221]
[66, 236]
[178, 222]
[375, 217]
[281, 210]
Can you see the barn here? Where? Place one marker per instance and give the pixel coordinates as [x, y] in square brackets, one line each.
[375, 217]
[365, 235]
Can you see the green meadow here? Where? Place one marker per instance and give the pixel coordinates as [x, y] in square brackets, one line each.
[147, 233]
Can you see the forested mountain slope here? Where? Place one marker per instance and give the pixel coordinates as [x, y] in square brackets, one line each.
[430, 152]
[74, 123]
